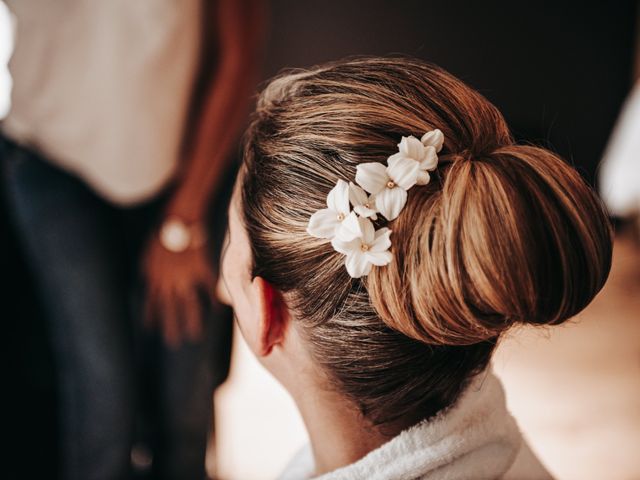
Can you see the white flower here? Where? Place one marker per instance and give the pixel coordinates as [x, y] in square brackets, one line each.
[363, 204]
[389, 184]
[369, 247]
[434, 138]
[326, 222]
[412, 148]
[352, 233]
[429, 163]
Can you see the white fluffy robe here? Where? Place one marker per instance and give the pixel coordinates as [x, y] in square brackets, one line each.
[476, 438]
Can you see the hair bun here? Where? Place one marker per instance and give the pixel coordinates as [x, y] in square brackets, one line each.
[514, 237]
[465, 155]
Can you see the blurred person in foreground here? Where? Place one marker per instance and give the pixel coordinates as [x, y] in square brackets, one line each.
[115, 150]
[620, 169]
[385, 232]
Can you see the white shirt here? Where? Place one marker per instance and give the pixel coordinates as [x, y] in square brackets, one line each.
[102, 88]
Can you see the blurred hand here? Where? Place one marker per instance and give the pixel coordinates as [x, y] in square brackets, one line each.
[174, 281]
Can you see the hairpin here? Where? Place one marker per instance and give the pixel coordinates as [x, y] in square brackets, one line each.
[379, 189]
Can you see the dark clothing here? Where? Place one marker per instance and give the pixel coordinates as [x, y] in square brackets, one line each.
[118, 383]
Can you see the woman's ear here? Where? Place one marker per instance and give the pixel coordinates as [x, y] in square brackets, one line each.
[273, 313]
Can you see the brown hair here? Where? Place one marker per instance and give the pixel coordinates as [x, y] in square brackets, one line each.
[503, 234]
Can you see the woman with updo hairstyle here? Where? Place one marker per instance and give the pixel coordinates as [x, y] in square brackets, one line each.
[390, 370]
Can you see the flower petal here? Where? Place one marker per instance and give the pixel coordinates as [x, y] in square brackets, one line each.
[381, 242]
[367, 229]
[423, 177]
[434, 138]
[357, 195]
[430, 161]
[372, 176]
[345, 248]
[338, 198]
[323, 223]
[379, 258]
[349, 228]
[394, 158]
[365, 211]
[404, 172]
[357, 264]
[391, 201]
[411, 147]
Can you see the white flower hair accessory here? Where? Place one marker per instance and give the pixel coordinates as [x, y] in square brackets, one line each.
[380, 190]
[325, 223]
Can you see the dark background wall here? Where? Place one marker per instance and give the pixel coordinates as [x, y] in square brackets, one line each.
[559, 70]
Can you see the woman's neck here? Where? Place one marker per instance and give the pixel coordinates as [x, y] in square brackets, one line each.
[338, 433]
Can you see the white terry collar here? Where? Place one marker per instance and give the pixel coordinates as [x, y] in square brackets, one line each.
[476, 438]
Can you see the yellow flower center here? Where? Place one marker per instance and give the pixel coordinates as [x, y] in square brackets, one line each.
[367, 205]
[364, 247]
[341, 217]
[390, 184]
